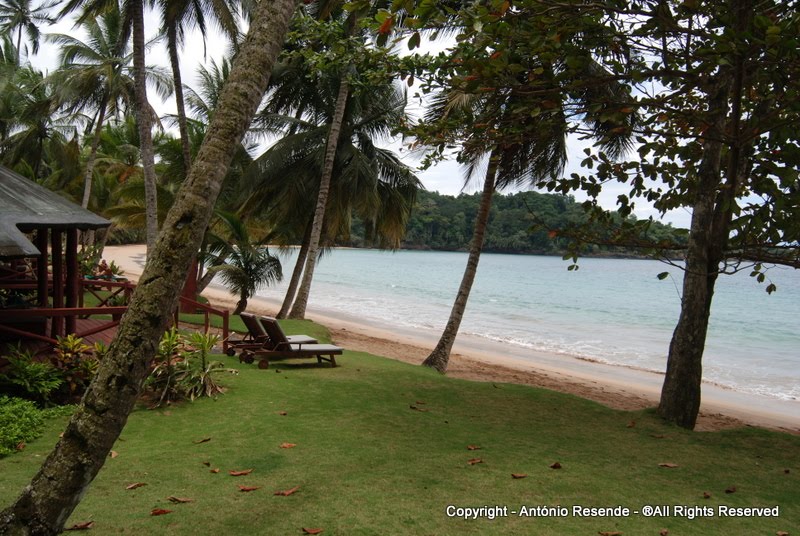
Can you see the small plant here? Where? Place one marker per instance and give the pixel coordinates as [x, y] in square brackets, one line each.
[20, 421]
[163, 377]
[30, 379]
[76, 362]
[198, 378]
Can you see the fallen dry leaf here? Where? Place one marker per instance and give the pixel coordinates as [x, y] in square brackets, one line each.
[249, 488]
[473, 447]
[668, 465]
[204, 440]
[159, 512]
[415, 408]
[473, 461]
[61, 435]
[215, 470]
[786, 471]
[179, 500]
[613, 533]
[21, 445]
[207, 464]
[287, 492]
[240, 473]
[518, 475]
[731, 489]
[86, 525]
[706, 495]
[311, 531]
[288, 445]
[631, 424]
[658, 436]
[663, 532]
[420, 402]
[136, 485]
[282, 413]
[555, 465]
[113, 453]
[781, 533]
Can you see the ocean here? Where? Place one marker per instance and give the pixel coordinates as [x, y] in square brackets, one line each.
[613, 311]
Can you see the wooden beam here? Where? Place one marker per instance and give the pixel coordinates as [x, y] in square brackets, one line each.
[41, 268]
[58, 279]
[73, 276]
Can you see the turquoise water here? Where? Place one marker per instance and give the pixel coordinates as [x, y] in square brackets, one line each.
[610, 310]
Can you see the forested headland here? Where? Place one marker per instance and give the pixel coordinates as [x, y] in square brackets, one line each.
[523, 223]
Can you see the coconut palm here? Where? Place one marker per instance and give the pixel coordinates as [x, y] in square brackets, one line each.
[21, 16]
[515, 160]
[245, 267]
[95, 74]
[365, 179]
[176, 17]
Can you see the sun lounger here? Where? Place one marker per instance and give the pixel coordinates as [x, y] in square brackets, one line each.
[257, 337]
[282, 347]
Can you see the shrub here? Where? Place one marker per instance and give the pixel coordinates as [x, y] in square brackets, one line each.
[76, 362]
[30, 379]
[20, 421]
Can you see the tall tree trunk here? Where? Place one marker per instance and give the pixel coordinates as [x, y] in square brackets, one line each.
[291, 290]
[87, 178]
[172, 47]
[47, 502]
[299, 308]
[142, 109]
[712, 214]
[440, 356]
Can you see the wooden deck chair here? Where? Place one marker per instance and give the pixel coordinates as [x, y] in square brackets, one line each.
[282, 347]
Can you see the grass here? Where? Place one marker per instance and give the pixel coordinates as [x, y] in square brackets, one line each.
[367, 463]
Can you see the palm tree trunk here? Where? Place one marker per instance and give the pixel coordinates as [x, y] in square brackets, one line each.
[47, 502]
[302, 254]
[87, 178]
[172, 47]
[142, 109]
[440, 356]
[299, 308]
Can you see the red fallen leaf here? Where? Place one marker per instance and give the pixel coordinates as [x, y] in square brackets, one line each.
[781, 533]
[113, 453]
[207, 464]
[240, 473]
[473, 447]
[204, 440]
[555, 465]
[215, 470]
[282, 413]
[136, 485]
[287, 492]
[731, 489]
[631, 424]
[312, 531]
[21, 445]
[668, 465]
[658, 436]
[518, 475]
[415, 408]
[420, 402]
[614, 533]
[786, 471]
[663, 532]
[288, 445]
[159, 512]
[179, 500]
[249, 488]
[473, 461]
[86, 525]
[706, 495]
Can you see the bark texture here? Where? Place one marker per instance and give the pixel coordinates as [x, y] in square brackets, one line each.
[89, 175]
[300, 303]
[46, 503]
[296, 274]
[175, 64]
[440, 356]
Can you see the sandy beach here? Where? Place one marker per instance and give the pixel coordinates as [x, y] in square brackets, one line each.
[480, 360]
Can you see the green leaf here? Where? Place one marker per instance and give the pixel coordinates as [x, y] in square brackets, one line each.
[663, 275]
[414, 41]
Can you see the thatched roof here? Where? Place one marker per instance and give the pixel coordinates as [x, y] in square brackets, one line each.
[25, 206]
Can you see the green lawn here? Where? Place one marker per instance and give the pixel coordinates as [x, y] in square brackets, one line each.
[366, 462]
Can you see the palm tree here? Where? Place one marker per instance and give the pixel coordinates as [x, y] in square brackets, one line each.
[53, 493]
[514, 159]
[95, 74]
[21, 16]
[245, 267]
[176, 17]
[365, 179]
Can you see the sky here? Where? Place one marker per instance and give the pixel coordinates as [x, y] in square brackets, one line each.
[446, 177]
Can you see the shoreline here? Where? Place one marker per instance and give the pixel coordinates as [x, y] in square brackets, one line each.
[478, 359]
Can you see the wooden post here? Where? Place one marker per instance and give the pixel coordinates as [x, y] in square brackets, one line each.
[73, 277]
[42, 283]
[56, 253]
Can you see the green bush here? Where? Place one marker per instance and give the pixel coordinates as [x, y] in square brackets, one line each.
[30, 379]
[20, 421]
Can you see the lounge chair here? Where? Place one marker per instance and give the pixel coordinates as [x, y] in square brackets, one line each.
[282, 347]
[257, 337]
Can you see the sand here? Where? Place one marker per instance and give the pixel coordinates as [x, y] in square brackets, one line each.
[479, 360]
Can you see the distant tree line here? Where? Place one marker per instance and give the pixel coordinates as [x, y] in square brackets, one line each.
[523, 222]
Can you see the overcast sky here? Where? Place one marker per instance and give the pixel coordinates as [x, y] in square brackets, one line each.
[446, 177]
